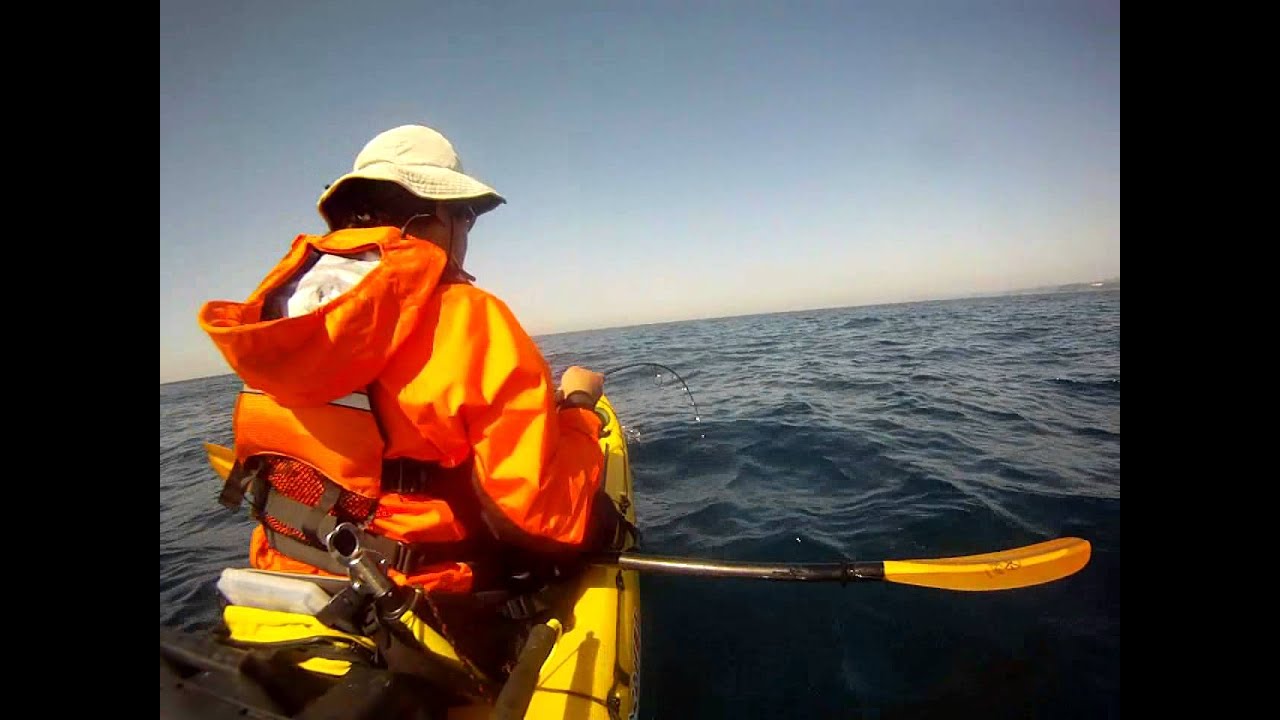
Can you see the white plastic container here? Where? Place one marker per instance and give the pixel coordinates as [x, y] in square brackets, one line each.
[271, 592]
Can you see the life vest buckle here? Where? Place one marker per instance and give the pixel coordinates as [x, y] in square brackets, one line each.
[238, 483]
[415, 480]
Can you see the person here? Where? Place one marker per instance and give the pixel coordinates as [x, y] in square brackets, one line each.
[383, 388]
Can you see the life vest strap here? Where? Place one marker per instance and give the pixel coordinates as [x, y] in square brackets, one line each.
[405, 557]
[298, 529]
[243, 477]
[321, 521]
[303, 552]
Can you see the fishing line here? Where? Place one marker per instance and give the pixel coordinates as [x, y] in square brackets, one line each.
[697, 416]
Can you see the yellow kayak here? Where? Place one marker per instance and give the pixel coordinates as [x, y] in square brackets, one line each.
[591, 670]
[594, 668]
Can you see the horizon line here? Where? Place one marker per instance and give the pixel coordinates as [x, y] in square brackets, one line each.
[1044, 290]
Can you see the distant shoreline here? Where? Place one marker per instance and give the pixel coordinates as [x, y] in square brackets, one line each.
[1096, 286]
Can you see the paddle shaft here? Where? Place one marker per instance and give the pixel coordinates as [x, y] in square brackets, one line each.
[812, 572]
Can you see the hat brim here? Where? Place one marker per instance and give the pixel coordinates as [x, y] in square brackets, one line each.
[428, 182]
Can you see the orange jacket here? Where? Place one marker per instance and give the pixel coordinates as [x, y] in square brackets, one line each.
[450, 375]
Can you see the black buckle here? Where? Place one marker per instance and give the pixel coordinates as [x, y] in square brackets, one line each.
[238, 483]
[348, 611]
[522, 607]
[396, 482]
[405, 558]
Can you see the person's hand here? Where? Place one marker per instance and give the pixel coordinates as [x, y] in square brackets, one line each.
[580, 387]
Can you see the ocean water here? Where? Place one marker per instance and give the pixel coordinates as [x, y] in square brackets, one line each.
[871, 433]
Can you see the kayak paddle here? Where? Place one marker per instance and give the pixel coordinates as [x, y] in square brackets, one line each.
[221, 458]
[1004, 570]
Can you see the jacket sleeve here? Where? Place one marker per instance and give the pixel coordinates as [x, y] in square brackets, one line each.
[537, 467]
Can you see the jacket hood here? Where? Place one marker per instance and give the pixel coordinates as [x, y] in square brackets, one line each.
[341, 346]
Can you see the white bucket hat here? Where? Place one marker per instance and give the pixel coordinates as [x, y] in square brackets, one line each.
[421, 161]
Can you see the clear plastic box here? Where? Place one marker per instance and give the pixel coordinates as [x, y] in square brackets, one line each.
[271, 592]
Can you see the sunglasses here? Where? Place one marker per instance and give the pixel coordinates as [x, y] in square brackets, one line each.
[464, 214]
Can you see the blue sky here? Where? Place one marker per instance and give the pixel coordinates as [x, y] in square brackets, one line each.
[661, 161]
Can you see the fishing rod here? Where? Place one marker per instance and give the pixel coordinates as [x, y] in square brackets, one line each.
[697, 416]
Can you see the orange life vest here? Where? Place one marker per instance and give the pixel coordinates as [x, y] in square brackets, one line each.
[312, 468]
[406, 406]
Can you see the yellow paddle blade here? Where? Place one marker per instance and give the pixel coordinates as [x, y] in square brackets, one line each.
[221, 458]
[1021, 567]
